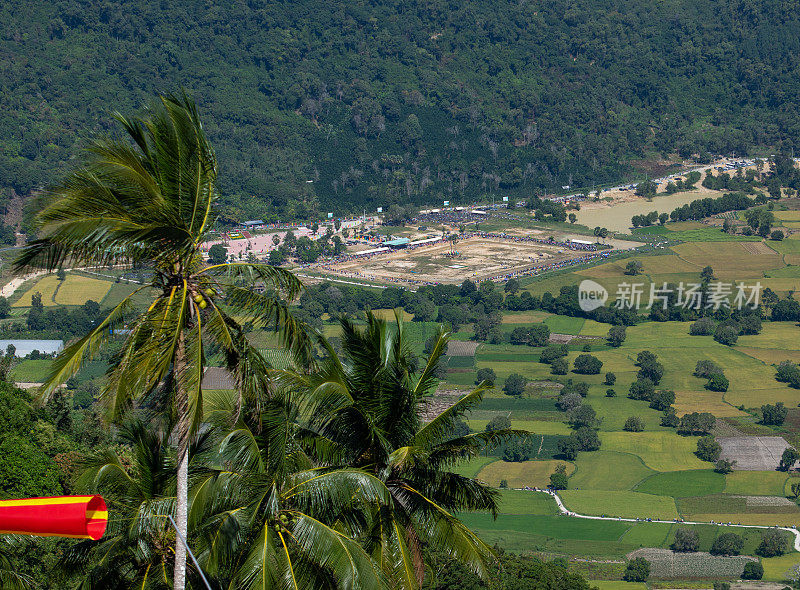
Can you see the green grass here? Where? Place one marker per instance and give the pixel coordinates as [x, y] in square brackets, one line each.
[661, 451]
[473, 466]
[523, 473]
[617, 585]
[618, 503]
[680, 484]
[756, 483]
[608, 470]
[647, 534]
[532, 503]
[533, 426]
[561, 527]
[560, 324]
[31, 371]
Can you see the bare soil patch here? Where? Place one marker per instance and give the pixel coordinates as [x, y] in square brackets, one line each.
[753, 453]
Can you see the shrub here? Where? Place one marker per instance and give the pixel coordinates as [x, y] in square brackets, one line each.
[652, 370]
[697, 423]
[788, 459]
[753, 570]
[498, 423]
[587, 438]
[724, 466]
[686, 540]
[704, 369]
[727, 544]
[558, 480]
[662, 399]
[776, 235]
[708, 449]
[611, 378]
[773, 414]
[717, 382]
[568, 401]
[611, 393]
[503, 484]
[582, 416]
[637, 570]
[616, 336]
[702, 327]
[773, 543]
[670, 418]
[514, 384]
[559, 367]
[634, 424]
[641, 389]
[485, 374]
[586, 364]
[553, 352]
[727, 335]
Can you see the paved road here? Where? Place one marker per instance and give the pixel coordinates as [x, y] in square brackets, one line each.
[567, 512]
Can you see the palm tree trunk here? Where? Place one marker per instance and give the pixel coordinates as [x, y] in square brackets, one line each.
[182, 520]
[182, 493]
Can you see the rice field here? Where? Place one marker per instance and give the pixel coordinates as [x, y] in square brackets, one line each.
[660, 451]
[756, 483]
[683, 483]
[620, 503]
[608, 470]
[74, 290]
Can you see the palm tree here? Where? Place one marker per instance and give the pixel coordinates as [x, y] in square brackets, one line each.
[151, 204]
[138, 484]
[366, 409]
[10, 579]
[265, 516]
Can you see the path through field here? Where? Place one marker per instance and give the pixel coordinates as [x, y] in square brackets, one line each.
[14, 284]
[567, 512]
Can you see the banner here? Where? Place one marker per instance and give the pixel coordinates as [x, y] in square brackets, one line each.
[76, 517]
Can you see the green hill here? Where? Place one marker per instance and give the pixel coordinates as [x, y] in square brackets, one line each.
[396, 101]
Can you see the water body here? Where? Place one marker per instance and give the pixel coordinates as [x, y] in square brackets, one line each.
[618, 217]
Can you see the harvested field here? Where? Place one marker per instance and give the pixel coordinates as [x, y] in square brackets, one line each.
[731, 261]
[753, 453]
[523, 473]
[74, 290]
[665, 563]
[462, 348]
[478, 258]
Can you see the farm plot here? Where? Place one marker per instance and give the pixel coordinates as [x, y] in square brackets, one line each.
[462, 348]
[74, 290]
[620, 503]
[731, 261]
[753, 453]
[661, 451]
[698, 482]
[665, 563]
[768, 483]
[523, 473]
[608, 470]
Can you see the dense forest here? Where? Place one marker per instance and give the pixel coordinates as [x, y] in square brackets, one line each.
[333, 106]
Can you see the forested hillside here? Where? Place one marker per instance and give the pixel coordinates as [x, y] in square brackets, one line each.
[403, 100]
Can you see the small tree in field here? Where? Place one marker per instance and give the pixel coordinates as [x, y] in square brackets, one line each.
[708, 449]
[558, 480]
[634, 424]
[637, 570]
[611, 378]
[788, 459]
[514, 384]
[686, 540]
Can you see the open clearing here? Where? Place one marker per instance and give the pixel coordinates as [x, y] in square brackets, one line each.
[478, 258]
[677, 484]
[767, 483]
[665, 563]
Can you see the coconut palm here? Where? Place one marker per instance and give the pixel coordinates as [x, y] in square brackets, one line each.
[10, 579]
[366, 408]
[150, 203]
[266, 517]
[137, 480]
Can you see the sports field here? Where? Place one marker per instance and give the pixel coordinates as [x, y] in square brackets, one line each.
[477, 258]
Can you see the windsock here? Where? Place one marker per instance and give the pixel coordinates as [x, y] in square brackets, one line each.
[76, 517]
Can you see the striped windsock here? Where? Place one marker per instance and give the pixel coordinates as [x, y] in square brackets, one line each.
[76, 517]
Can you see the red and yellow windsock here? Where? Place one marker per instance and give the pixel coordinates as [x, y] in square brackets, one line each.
[76, 517]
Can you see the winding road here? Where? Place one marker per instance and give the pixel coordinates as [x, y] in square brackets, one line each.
[567, 512]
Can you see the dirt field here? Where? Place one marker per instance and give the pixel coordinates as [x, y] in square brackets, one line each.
[477, 259]
[753, 453]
